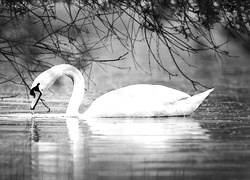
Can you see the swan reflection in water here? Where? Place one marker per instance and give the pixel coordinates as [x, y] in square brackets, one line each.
[118, 147]
[113, 146]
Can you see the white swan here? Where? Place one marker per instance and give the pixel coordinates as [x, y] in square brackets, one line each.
[141, 100]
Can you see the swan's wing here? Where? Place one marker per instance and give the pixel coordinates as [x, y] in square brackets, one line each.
[143, 93]
[139, 99]
[149, 93]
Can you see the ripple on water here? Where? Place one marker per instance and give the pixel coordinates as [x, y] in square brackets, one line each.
[213, 143]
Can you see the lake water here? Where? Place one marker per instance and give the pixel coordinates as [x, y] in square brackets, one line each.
[212, 144]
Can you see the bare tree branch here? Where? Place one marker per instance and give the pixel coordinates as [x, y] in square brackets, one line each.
[33, 33]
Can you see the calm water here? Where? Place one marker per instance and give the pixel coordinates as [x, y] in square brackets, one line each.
[212, 144]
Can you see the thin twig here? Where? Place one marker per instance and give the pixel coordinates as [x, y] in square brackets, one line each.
[11, 96]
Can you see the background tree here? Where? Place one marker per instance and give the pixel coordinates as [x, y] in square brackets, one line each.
[32, 33]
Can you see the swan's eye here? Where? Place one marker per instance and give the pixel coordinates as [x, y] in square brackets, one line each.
[32, 91]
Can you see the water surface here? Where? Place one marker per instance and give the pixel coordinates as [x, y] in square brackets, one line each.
[211, 144]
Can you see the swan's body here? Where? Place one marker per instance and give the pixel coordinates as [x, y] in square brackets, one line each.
[141, 100]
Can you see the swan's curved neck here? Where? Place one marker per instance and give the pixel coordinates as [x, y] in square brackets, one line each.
[78, 89]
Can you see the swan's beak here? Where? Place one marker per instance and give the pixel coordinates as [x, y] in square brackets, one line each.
[37, 95]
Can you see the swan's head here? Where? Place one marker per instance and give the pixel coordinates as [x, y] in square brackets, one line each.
[40, 84]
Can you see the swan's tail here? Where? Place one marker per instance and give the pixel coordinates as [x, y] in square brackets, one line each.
[189, 105]
[203, 95]
[197, 99]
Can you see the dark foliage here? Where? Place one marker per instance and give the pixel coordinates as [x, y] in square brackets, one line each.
[28, 30]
